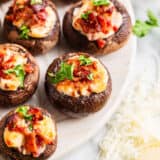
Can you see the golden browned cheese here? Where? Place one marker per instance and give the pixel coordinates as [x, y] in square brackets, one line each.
[11, 58]
[115, 20]
[17, 138]
[85, 88]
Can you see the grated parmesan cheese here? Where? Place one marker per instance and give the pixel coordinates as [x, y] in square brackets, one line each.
[135, 127]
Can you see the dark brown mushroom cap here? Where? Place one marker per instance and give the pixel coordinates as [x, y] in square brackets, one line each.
[113, 42]
[82, 104]
[16, 155]
[3, 1]
[34, 45]
[30, 82]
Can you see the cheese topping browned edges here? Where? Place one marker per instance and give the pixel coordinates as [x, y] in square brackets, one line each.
[86, 75]
[29, 131]
[96, 22]
[33, 18]
[14, 66]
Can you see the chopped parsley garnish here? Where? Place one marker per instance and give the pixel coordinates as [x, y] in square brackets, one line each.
[85, 15]
[90, 76]
[30, 127]
[32, 2]
[23, 110]
[84, 60]
[24, 31]
[65, 72]
[100, 2]
[19, 72]
[28, 117]
[142, 28]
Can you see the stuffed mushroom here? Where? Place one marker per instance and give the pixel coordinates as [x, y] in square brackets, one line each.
[28, 133]
[97, 26]
[34, 24]
[78, 83]
[19, 74]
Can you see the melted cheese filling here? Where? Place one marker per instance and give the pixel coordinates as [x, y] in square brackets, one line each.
[78, 88]
[15, 139]
[13, 82]
[44, 30]
[40, 30]
[46, 128]
[115, 18]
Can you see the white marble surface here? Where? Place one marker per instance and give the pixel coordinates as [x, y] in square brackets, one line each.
[147, 66]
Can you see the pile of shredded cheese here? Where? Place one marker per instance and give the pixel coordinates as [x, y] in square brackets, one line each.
[135, 127]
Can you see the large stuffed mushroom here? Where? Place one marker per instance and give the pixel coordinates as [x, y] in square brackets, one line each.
[77, 83]
[97, 26]
[34, 24]
[19, 74]
[28, 133]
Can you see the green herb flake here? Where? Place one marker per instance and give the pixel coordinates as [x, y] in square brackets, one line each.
[142, 28]
[33, 2]
[65, 72]
[23, 110]
[153, 20]
[85, 15]
[30, 127]
[90, 76]
[19, 72]
[100, 2]
[28, 117]
[84, 60]
[24, 31]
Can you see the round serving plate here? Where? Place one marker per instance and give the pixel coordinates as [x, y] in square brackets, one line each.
[73, 132]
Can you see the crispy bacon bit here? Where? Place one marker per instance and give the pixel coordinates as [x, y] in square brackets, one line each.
[28, 15]
[82, 73]
[11, 124]
[115, 28]
[19, 129]
[31, 145]
[9, 63]
[108, 23]
[3, 75]
[103, 24]
[110, 11]
[39, 140]
[42, 14]
[37, 114]
[94, 65]
[28, 68]
[101, 43]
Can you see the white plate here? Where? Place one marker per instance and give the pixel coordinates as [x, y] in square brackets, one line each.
[73, 132]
